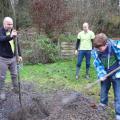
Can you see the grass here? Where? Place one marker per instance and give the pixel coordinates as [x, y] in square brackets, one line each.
[57, 75]
[61, 75]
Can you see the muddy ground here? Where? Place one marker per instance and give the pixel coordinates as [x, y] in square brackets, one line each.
[58, 105]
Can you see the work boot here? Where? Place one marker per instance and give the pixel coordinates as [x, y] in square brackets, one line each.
[2, 96]
[15, 90]
[101, 107]
[76, 77]
[87, 76]
[77, 72]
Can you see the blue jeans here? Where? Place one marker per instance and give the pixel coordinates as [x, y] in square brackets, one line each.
[81, 55]
[105, 86]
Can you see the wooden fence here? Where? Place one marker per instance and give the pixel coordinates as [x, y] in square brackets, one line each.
[67, 49]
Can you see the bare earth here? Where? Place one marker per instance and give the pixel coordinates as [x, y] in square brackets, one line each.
[58, 105]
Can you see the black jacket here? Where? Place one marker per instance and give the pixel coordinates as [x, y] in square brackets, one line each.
[5, 47]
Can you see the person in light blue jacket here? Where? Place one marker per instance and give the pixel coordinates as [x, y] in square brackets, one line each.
[106, 54]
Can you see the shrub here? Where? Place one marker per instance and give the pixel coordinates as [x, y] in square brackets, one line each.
[40, 50]
[67, 37]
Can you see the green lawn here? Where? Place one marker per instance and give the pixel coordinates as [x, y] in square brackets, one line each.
[60, 75]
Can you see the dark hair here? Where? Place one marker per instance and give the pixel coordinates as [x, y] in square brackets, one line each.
[100, 40]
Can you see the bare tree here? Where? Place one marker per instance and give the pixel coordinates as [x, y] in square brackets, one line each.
[3, 11]
[50, 16]
[102, 15]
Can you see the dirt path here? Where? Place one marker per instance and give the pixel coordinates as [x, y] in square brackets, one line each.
[52, 106]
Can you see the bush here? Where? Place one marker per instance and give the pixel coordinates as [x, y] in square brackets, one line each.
[67, 37]
[40, 50]
[109, 26]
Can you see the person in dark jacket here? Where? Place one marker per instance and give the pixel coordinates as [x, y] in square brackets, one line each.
[8, 55]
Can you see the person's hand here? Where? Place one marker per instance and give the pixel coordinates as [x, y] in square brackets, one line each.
[76, 52]
[20, 59]
[13, 33]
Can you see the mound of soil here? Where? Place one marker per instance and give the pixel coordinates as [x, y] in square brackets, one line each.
[59, 105]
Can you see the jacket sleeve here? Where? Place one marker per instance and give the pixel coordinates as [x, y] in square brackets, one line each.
[77, 44]
[116, 47]
[101, 72]
[3, 37]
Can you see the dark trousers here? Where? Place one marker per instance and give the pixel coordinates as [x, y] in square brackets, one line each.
[105, 87]
[11, 65]
[81, 55]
